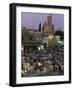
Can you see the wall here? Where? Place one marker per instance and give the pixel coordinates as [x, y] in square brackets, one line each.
[4, 45]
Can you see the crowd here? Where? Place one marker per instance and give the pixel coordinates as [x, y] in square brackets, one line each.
[49, 61]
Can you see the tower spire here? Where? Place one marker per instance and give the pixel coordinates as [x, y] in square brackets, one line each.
[49, 19]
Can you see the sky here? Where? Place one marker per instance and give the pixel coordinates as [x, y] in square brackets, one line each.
[32, 20]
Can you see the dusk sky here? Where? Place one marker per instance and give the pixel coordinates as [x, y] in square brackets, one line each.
[32, 20]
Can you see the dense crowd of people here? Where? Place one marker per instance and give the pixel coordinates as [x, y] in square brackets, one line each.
[46, 62]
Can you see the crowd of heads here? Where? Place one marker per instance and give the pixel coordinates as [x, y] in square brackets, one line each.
[49, 60]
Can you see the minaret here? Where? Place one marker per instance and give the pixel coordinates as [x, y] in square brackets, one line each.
[40, 27]
[48, 26]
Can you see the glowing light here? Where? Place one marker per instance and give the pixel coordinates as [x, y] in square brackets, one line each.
[58, 37]
[39, 64]
[42, 47]
[50, 36]
[39, 48]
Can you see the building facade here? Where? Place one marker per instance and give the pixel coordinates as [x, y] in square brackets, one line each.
[37, 37]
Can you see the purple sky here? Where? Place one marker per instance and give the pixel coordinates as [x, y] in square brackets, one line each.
[32, 20]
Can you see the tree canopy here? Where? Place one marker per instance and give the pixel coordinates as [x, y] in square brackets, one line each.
[60, 33]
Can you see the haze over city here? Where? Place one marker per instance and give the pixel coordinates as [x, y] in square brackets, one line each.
[32, 20]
